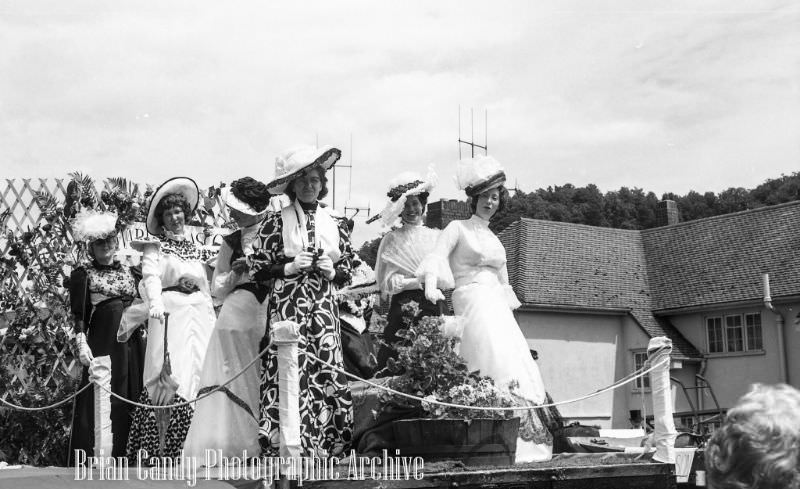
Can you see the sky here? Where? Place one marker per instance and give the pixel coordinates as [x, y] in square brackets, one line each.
[664, 96]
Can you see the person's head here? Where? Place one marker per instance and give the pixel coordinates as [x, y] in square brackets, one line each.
[414, 208]
[308, 187]
[104, 249]
[758, 445]
[489, 202]
[171, 212]
[247, 201]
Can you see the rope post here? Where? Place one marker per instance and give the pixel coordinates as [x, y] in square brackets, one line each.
[100, 375]
[286, 335]
[658, 350]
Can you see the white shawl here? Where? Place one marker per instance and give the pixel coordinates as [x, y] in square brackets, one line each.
[295, 232]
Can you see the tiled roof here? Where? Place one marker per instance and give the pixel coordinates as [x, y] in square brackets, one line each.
[563, 264]
[721, 259]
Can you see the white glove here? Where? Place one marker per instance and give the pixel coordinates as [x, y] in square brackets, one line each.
[432, 293]
[301, 263]
[84, 352]
[157, 310]
[325, 265]
[398, 283]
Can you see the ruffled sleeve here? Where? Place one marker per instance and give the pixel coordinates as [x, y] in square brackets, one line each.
[511, 296]
[437, 263]
[224, 279]
[150, 285]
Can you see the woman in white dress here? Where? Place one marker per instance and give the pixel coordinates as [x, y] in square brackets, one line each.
[483, 300]
[400, 254]
[173, 281]
[233, 410]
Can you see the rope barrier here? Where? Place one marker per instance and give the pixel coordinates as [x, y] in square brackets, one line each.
[625, 380]
[51, 406]
[619, 383]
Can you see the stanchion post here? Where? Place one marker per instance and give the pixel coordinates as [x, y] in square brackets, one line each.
[286, 335]
[100, 374]
[658, 350]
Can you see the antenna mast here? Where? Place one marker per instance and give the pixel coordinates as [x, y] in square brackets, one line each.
[472, 144]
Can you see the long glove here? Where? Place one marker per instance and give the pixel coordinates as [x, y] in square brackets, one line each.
[84, 352]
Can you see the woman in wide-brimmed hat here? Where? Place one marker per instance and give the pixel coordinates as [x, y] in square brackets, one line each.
[400, 254]
[99, 292]
[304, 251]
[173, 281]
[470, 257]
[242, 322]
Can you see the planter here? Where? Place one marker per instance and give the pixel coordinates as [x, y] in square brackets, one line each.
[474, 442]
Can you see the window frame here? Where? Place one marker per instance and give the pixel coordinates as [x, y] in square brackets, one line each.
[725, 329]
[641, 384]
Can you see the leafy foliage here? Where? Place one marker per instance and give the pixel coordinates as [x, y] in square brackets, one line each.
[628, 208]
[37, 365]
[428, 366]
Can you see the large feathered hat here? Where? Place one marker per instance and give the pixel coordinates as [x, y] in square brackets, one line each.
[295, 161]
[478, 174]
[89, 225]
[401, 187]
[178, 185]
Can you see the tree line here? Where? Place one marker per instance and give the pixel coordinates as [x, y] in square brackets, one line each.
[627, 208]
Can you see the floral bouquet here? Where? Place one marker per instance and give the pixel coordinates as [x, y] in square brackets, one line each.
[428, 366]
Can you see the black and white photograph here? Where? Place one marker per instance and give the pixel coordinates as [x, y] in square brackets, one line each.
[400, 245]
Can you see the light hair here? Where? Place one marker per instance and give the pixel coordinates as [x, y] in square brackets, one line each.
[758, 445]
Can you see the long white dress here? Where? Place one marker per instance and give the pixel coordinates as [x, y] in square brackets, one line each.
[191, 319]
[227, 420]
[492, 341]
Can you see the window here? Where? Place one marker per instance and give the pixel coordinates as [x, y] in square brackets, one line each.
[740, 333]
[753, 324]
[716, 343]
[639, 358]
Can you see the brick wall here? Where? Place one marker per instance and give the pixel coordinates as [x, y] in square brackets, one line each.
[442, 212]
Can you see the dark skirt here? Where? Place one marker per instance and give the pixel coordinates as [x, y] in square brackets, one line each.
[127, 369]
[395, 322]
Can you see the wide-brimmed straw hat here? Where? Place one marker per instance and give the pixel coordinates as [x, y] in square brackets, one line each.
[179, 185]
[401, 188]
[294, 162]
[478, 174]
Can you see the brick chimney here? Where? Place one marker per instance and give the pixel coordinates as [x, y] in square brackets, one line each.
[667, 213]
[441, 213]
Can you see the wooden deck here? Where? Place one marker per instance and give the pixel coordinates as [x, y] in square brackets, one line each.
[568, 471]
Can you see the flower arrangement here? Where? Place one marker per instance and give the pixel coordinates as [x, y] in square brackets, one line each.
[428, 366]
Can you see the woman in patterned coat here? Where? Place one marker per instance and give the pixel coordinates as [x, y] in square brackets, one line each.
[304, 251]
[174, 281]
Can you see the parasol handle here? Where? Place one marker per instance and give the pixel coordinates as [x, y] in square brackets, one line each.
[167, 367]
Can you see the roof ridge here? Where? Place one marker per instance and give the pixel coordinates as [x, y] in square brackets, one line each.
[724, 216]
[562, 223]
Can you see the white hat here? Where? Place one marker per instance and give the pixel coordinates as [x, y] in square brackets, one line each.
[478, 174]
[401, 187]
[90, 225]
[362, 282]
[178, 185]
[294, 161]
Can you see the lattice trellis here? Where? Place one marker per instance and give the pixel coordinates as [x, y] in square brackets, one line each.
[35, 323]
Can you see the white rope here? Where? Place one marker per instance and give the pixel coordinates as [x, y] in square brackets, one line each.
[613, 386]
[51, 406]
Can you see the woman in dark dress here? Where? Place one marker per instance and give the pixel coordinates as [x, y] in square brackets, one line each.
[304, 252]
[99, 291]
